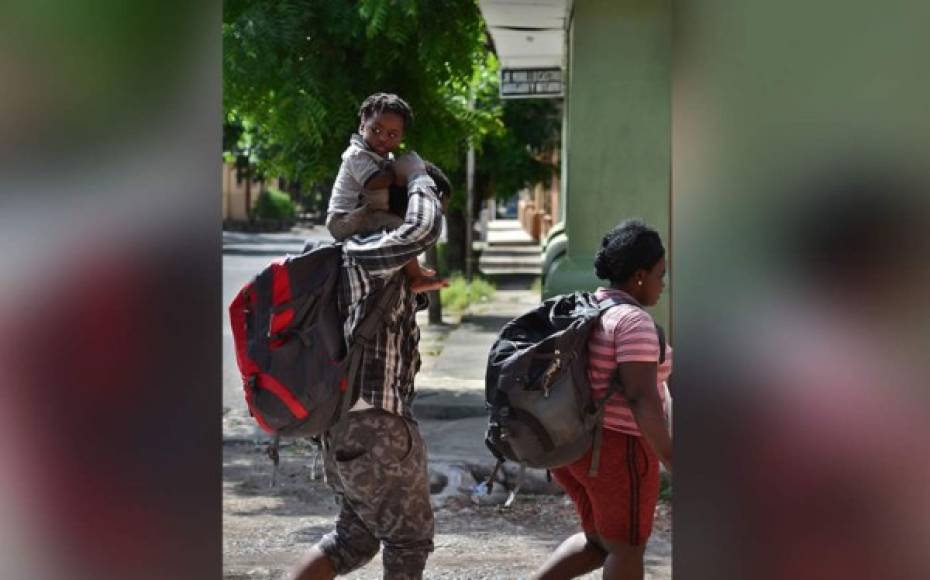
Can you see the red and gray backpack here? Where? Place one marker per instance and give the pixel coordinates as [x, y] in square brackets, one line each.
[297, 371]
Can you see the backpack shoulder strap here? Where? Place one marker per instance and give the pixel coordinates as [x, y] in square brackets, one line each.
[364, 334]
[604, 305]
[608, 303]
[374, 318]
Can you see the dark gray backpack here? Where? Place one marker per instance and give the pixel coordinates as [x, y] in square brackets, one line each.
[542, 413]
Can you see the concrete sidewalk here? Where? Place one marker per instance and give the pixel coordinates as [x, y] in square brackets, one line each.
[453, 386]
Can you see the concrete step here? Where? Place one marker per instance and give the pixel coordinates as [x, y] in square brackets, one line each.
[508, 241]
[509, 272]
[507, 232]
[511, 250]
[504, 224]
[528, 271]
[493, 262]
[500, 260]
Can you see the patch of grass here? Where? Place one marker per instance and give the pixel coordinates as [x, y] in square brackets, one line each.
[665, 486]
[536, 286]
[460, 294]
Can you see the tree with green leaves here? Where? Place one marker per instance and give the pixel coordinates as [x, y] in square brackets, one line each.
[295, 72]
[520, 157]
[515, 158]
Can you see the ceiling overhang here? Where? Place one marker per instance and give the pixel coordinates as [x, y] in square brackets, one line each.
[527, 33]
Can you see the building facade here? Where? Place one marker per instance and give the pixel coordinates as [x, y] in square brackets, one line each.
[616, 138]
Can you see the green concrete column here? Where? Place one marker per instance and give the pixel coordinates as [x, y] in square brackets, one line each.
[616, 142]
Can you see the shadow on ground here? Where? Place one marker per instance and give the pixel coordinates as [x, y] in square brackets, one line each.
[248, 472]
[486, 322]
[267, 530]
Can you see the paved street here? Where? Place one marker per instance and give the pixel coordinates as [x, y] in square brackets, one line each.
[268, 529]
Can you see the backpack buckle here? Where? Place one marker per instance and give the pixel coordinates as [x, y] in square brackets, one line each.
[495, 432]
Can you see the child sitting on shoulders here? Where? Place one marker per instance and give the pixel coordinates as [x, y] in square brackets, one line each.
[359, 203]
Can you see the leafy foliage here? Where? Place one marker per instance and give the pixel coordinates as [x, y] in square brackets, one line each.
[665, 486]
[274, 204]
[519, 157]
[295, 72]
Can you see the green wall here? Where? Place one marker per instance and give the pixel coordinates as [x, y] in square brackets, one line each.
[616, 144]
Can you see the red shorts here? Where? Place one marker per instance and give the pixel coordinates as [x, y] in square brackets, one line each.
[619, 503]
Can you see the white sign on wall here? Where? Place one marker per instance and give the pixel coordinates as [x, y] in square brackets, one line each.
[526, 83]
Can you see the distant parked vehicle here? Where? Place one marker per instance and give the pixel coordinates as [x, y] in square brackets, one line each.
[508, 209]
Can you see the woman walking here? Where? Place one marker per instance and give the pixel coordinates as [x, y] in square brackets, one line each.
[616, 506]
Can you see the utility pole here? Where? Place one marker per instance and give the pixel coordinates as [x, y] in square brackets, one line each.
[248, 185]
[435, 305]
[470, 203]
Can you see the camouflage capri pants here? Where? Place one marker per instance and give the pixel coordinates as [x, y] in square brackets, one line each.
[376, 462]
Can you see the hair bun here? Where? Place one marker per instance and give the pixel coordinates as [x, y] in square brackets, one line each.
[601, 264]
[627, 247]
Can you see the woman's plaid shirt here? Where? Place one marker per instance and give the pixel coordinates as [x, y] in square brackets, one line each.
[369, 263]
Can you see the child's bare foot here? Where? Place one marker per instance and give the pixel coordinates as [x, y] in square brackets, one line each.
[427, 284]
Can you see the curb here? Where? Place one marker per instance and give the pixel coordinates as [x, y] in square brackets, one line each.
[445, 404]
